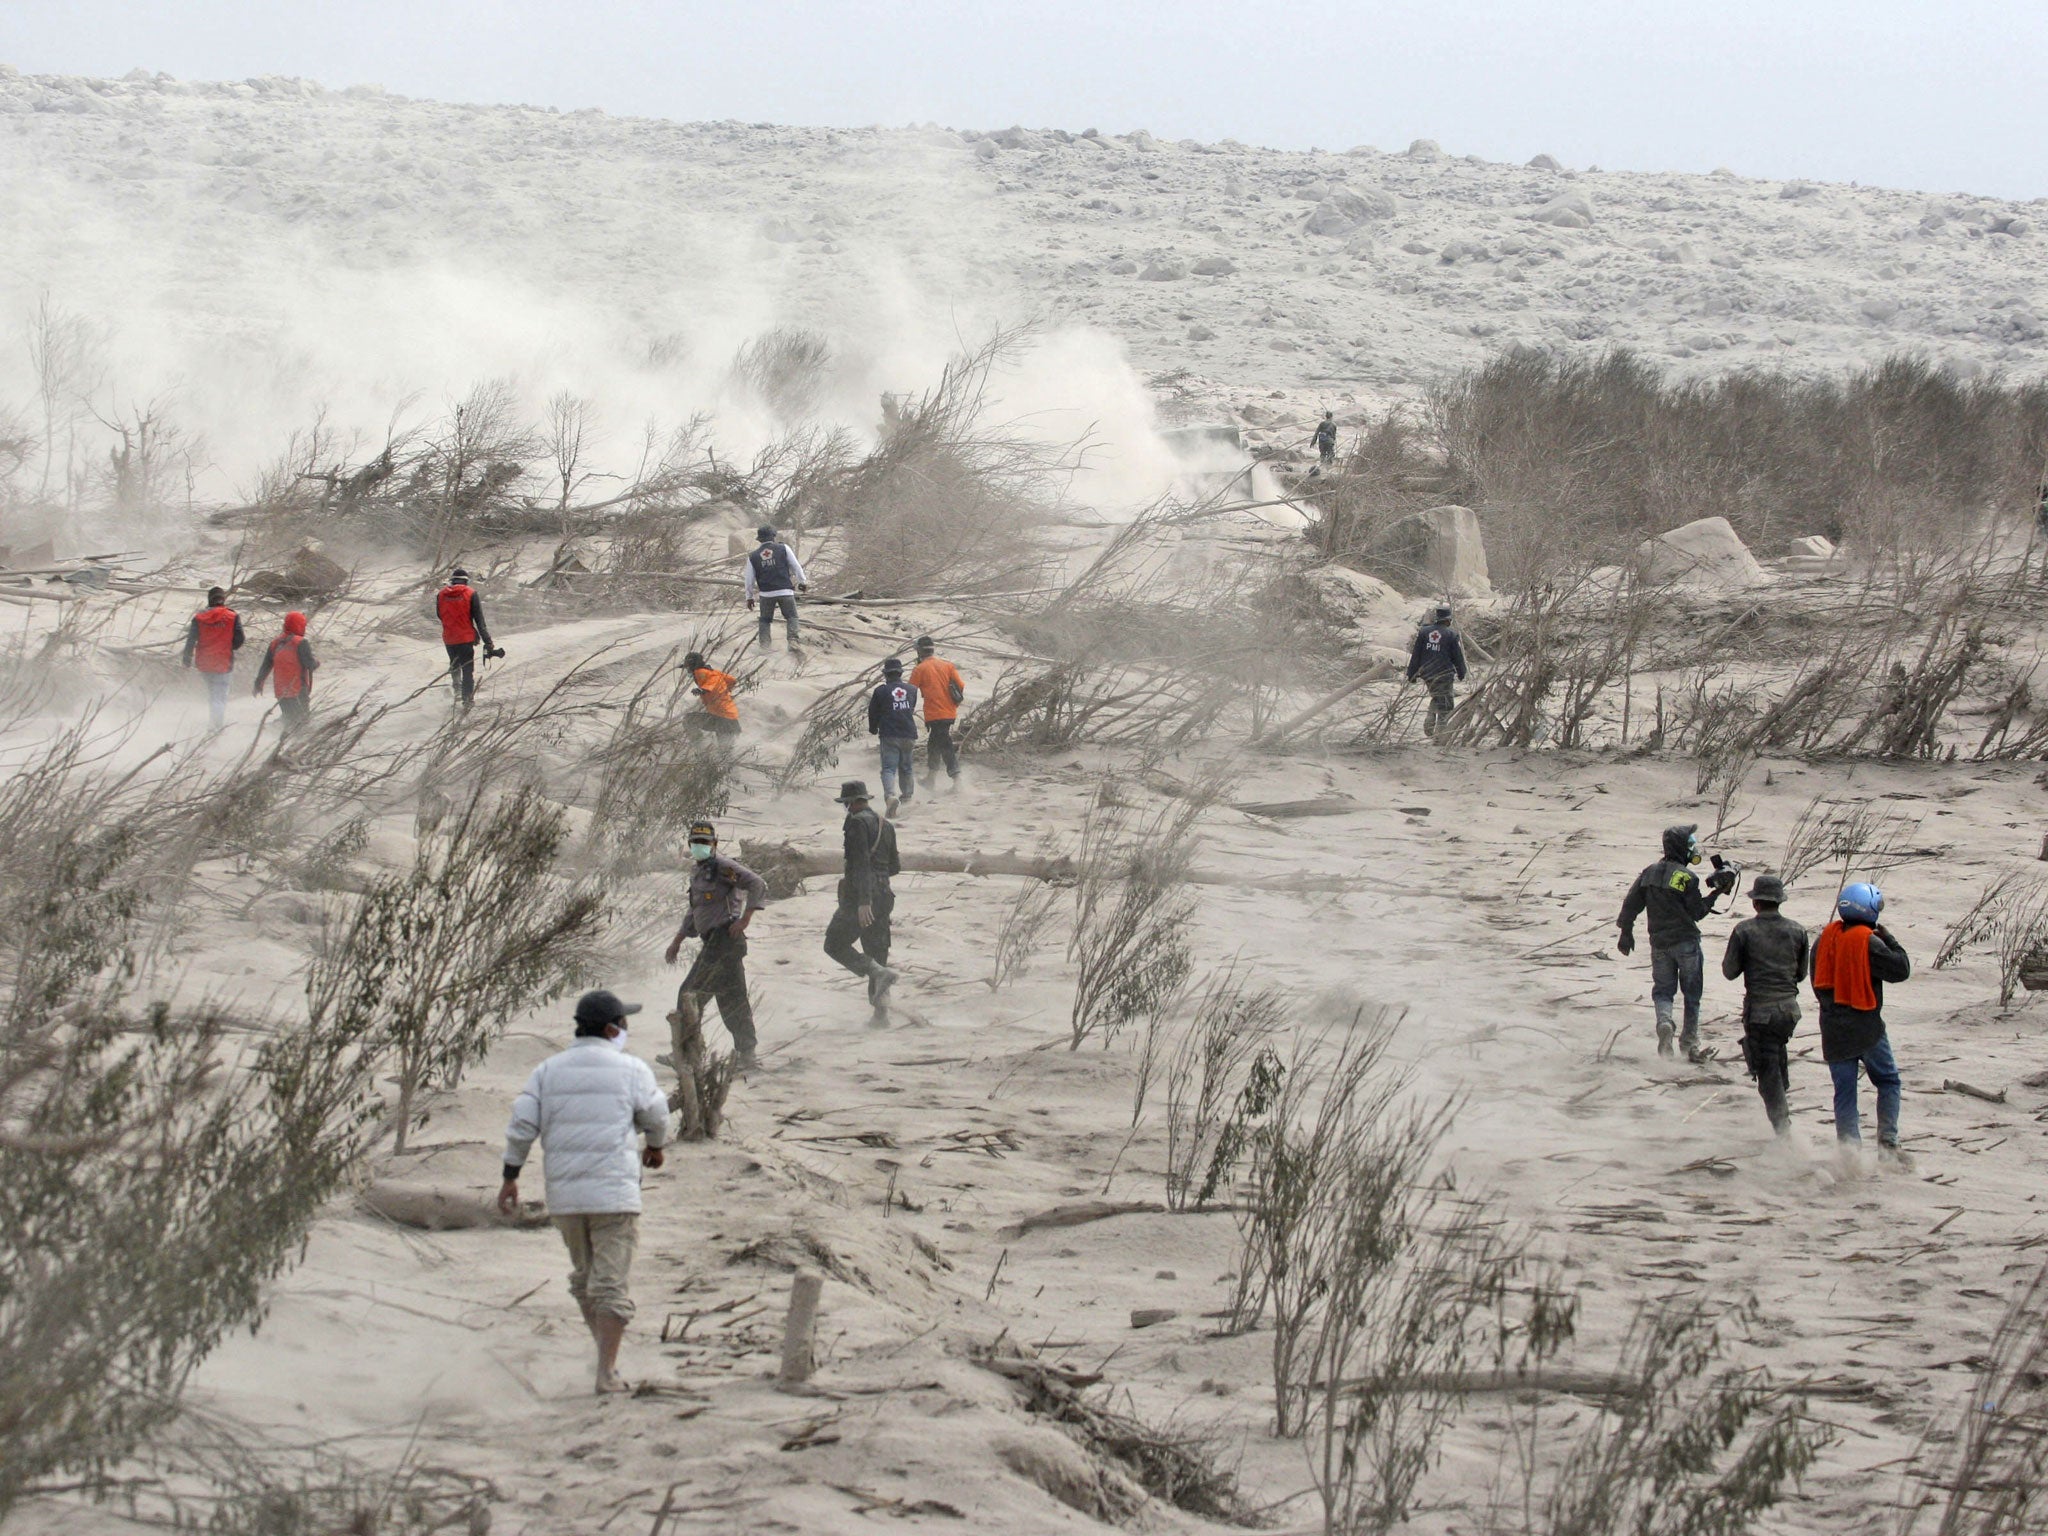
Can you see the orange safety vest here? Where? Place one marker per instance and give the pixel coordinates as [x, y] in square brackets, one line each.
[287, 677]
[458, 627]
[717, 688]
[216, 649]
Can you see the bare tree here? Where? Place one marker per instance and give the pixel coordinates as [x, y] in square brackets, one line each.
[565, 437]
[65, 353]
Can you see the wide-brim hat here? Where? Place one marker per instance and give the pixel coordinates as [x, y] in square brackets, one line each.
[854, 789]
[1767, 888]
[602, 1007]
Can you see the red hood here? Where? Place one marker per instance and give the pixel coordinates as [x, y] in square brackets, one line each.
[295, 623]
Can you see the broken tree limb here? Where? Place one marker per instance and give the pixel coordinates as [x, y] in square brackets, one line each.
[1584, 1383]
[1378, 672]
[1952, 1085]
[799, 1330]
[431, 1209]
[1078, 1215]
[785, 867]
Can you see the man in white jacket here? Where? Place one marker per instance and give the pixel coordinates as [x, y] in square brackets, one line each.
[584, 1104]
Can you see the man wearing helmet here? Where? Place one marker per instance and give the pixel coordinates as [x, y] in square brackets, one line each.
[1852, 960]
[1769, 952]
[1675, 899]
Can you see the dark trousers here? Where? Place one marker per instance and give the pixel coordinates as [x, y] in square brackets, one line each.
[1766, 1041]
[712, 725]
[721, 970]
[938, 744]
[786, 606]
[1443, 698]
[462, 671]
[292, 713]
[1678, 970]
[844, 932]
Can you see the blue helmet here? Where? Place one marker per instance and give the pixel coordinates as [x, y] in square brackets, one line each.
[1860, 904]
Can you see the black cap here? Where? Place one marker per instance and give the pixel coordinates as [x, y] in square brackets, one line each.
[924, 645]
[893, 665]
[458, 574]
[853, 789]
[1443, 612]
[764, 532]
[703, 829]
[602, 1007]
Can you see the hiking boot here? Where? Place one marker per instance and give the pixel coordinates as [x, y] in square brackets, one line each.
[890, 807]
[745, 1061]
[880, 980]
[1695, 1053]
[1897, 1156]
[1664, 1045]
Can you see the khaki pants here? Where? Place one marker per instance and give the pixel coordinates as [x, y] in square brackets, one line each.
[601, 1259]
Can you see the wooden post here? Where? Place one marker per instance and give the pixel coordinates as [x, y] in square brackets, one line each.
[799, 1332]
[686, 1046]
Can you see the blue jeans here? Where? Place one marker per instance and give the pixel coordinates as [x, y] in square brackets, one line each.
[1676, 968]
[769, 606]
[898, 752]
[1884, 1077]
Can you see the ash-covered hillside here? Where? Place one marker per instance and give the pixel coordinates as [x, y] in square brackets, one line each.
[215, 216]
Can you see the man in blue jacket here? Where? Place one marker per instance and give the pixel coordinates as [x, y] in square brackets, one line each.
[1437, 658]
[892, 716]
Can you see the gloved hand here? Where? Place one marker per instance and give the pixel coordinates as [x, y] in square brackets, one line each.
[1626, 943]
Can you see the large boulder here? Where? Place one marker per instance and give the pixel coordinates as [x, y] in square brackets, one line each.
[1440, 552]
[1345, 210]
[1567, 210]
[1707, 554]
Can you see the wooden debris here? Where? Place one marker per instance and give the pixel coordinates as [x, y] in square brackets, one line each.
[785, 867]
[1078, 1215]
[799, 1332]
[432, 1209]
[1954, 1085]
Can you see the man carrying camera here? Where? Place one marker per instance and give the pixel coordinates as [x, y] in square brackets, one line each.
[461, 613]
[1675, 898]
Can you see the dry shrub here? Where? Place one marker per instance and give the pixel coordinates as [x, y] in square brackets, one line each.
[1687, 1446]
[1034, 707]
[1857, 836]
[432, 962]
[1030, 912]
[2011, 916]
[1561, 449]
[154, 1171]
[946, 502]
[1986, 1474]
[1131, 909]
[786, 368]
[1393, 468]
[1221, 1083]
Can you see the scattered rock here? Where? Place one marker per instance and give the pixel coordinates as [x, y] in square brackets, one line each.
[1813, 544]
[1164, 1274]
[1441, 550]
[1200, 333]
[1793, 190]
[1567, 210]
[308, 574]
[1152, 1317]
[1462, 250]
[985, 150]
[1344, 210]
[1164, 269]
[1545, 163]
[1707, 553]
[1879, 310]
[1425, 149]
[1012, 138]
[1214, 266]
[1122, 266]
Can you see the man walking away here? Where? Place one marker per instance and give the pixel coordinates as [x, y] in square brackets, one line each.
[1676, 900]
[288, 663]
[1852, 960]
[211, 640]
[724, 897]
[892, 717]
[938, 680]
[1326, 440]
[1437, 658]
[865, 896]
[461, 612]
[773, 578]
[1770, 953]
[721, 715]
[584, 1104]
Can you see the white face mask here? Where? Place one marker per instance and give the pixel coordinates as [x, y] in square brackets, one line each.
[700, 851]
[619, 1040]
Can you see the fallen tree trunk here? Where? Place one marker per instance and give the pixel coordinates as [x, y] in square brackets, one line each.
[785, 867]
[431, 1209]
[1585, 1383]
[1378, 672]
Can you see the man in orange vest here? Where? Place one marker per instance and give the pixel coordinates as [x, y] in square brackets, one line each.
[211, 640]
[939, 681]
[289, 664]
[461, 613]
[721, 715]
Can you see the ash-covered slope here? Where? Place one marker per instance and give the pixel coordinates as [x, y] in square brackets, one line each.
[216, 210]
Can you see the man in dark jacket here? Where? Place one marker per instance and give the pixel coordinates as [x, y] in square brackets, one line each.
[1326, 440]
[1769, 952]
[724, 897]
[1437, 658]
[892, 716]
[1675, 899]
[865, 896]
[1852, 960]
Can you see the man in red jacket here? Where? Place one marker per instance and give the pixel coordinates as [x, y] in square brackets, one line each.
[461, 613]
[288, 665]
[211, 640]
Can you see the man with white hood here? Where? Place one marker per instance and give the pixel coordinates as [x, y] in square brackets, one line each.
[585, 1105]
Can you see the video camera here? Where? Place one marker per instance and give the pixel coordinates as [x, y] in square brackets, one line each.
[496, 652]
[1726, 877]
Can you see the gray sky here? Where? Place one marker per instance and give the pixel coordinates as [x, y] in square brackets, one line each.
[1933, 94]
